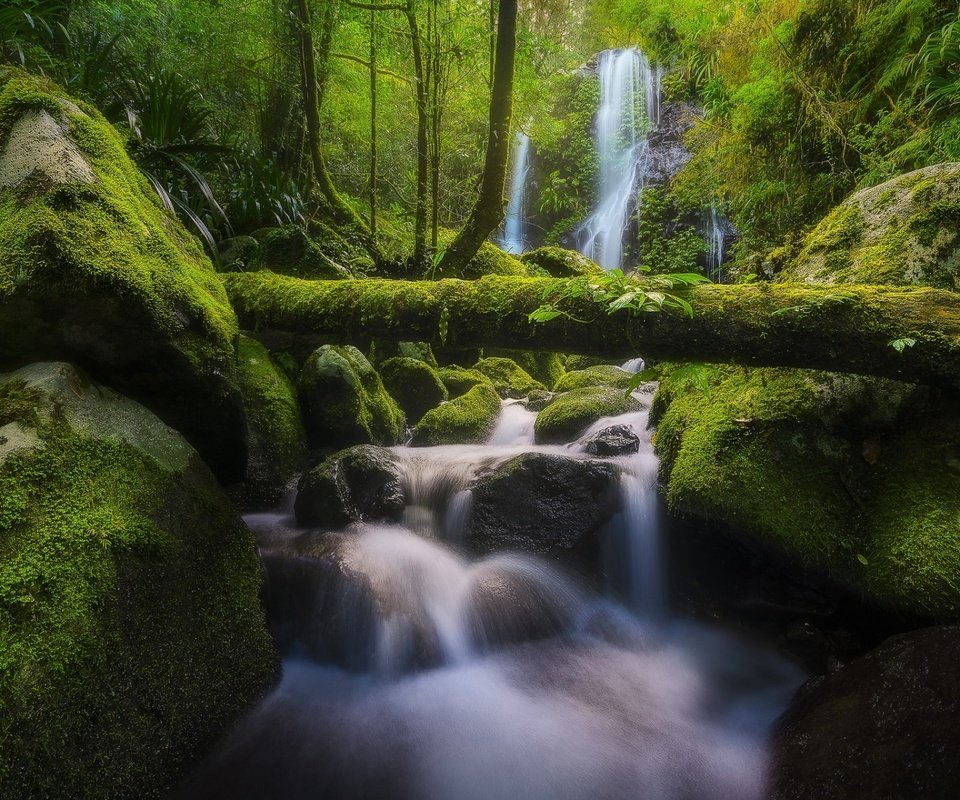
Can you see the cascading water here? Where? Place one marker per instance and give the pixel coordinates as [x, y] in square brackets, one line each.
[629, 110]
[414, 673]
[716, 241]
[514, 238]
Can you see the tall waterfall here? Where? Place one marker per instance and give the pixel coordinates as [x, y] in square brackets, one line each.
[716, 236]
[629, 110]
[515, 227]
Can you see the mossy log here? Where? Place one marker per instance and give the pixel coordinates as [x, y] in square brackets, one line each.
[840, 329]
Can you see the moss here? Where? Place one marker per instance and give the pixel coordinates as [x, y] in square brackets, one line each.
[344, 401]
[276, 440]
[489, 260]
[823, 469]
[459, 381]
[509, 379]
[604, 375]
[468, 419]
[290, 250]
[414, 384]
[568, 415]
[560, 263]
[131, 634]
[544, 366]
[577, 362]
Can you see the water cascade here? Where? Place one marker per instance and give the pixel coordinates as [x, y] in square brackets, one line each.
[716, 236]
[514, 238]
[629, 110]
[412, 672]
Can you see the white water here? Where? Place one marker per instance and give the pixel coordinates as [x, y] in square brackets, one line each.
[629, 110]
[514, 238]
[496, 678]
[716, 240]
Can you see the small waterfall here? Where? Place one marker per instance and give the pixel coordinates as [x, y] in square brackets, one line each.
[634, 365]
[716, 236]
[629, 110]
[514, 238]
[515, 426]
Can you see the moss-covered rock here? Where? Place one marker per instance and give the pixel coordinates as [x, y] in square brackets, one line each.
[904, 231]
[857, 479]
[575, 362]
[569, 414]
[459, 381]
[131, 632]
[467, 419]
[508, 378]
[414, 384]
[542, 365]
[489, 260]
[382, 349]
[344, 401]
[604, 375]
[276, 444]
[560, 263]
[290, 250]
[96, 272]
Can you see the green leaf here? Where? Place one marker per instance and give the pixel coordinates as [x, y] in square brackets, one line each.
[544, 314]
[443, 325]
[862, 559]
[902, 344]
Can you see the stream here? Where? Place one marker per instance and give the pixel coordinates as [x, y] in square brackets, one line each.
[414, 671]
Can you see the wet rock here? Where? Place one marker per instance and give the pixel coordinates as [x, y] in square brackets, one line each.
[414, 384]
[600, 375]
[883, 727]
[362, 483]
[543, 504]
[617, 440]
[538, 399]
[509, 378]
[468, 419]
[569, 414]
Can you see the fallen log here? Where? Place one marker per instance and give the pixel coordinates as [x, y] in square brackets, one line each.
[912, 334]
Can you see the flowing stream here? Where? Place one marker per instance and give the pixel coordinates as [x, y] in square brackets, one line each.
[414, 671]
[514, 239]
[629, 111]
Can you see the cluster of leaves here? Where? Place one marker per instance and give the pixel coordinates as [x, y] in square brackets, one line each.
[637, 293]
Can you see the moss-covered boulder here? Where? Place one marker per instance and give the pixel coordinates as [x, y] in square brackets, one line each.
[290, 250]
[276, 444]
[363, 482]
[603, 375]
[344, 401]
[131, 632]
[541, 365]
[382, 349]
[489, 260]
[575, 362]
[560, 263]
[460, 381]
[904, 231]
[414, 384]
[508, 378]
[467, 419]
[95, 271]
[569, 414]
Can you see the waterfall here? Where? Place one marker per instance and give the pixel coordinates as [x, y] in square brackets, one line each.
[716, 236]
[514, 238]
[629, 110]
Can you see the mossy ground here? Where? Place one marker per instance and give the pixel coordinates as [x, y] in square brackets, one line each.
[131, 632]
[467, 419]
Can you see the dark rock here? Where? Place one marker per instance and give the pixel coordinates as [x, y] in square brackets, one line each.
[543, 504]
[237, 253]
[538, 399]
[414, 384]
[617, 440]
[362, 483]
[883, 727]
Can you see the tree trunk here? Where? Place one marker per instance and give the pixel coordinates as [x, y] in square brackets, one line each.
[841, 329]
[487, 213]
[420, 80]
[373, 123]
[313, 84]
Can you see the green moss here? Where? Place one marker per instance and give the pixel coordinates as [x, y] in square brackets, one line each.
[276, 440]
[821, 468]
[290, 250]
[509, 379]
[414, 384]
[604, 375]
[344, 401]
[131, 634]
[560, 263]
[567, 416]
[489, 260]
[541, 365]
[459, 381]
[577, 362]
[468, 419]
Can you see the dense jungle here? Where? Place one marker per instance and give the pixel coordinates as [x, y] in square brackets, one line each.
[480, 399]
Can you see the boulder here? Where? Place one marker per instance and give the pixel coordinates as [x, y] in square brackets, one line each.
[361, 483]
[543, 504]
[344, 401]
[460, 381]
[569, 414]
[883, 727]
[489, 260]
[508, 378]
[603, 375]
[617, 440]
[467, 419]
[414, 384]
[560, 263]
[237, 253]
[132, 635]
[290, 250]
[541, 365]
[904, 231]
[276, 443]
[95, 271]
